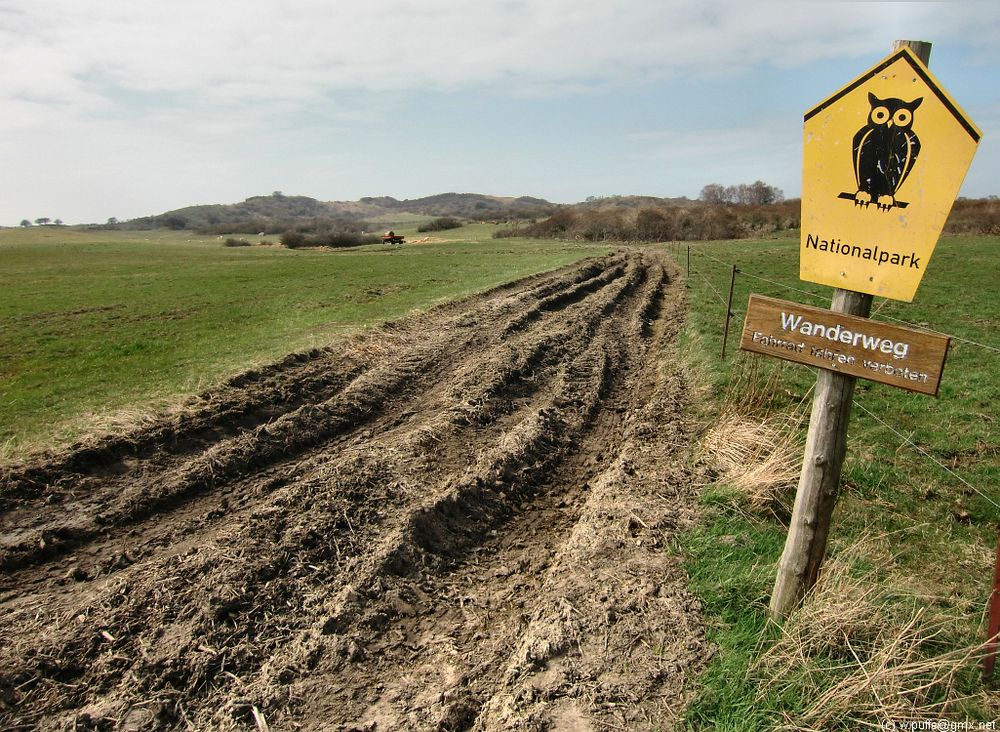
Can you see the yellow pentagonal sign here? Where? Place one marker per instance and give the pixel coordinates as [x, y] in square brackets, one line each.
[883, 161]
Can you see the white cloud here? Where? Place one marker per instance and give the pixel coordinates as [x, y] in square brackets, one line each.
[768, 149]
[123, 97]
[239, 52]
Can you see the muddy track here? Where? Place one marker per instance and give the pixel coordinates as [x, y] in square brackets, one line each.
[458, 522]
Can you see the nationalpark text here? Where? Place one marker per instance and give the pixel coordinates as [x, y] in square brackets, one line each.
[871, 253]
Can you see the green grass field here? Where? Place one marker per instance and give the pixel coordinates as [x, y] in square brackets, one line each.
[94, 324]
[99, 323]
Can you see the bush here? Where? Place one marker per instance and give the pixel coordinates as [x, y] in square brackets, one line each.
[343, 239]
[293, 239]
[654, 225]
[232, 242]
[175, 222]
[694, 221]
[339, 239]
[974, 216]
[440, 224]
[510, 232]
[604, 226]
[558, 223]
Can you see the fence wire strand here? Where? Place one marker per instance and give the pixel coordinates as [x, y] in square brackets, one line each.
[813, 295]
[994, 349]
[709, 283]
[906, 440]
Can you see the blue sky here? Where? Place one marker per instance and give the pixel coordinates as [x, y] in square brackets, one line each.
[126, 107]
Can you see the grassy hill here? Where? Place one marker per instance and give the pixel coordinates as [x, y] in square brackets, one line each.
[466, 205]
[599, 218]
[277, 212]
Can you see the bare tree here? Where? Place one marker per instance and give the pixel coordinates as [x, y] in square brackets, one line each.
[760, 193]
[757, 193]
[713, 194]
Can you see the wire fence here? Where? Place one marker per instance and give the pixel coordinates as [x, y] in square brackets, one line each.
[742, 271]
[734, 270]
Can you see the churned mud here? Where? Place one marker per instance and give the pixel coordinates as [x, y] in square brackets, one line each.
[459, 522]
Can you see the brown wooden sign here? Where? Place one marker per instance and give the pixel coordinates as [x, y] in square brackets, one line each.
[889, 354]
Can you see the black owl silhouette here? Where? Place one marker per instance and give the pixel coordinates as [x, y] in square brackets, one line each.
[885, 151]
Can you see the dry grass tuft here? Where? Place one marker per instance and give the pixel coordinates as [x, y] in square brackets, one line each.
[754, 384]
[862, 656]
[760, 457]
[8, 449]
[756, 450]
[376, 345]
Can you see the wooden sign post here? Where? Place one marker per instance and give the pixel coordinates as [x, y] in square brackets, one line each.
[819, 482]
[883, 161]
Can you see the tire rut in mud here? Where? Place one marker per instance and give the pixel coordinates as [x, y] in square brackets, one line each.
[425, 528]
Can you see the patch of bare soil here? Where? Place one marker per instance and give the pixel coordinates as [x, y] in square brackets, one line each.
[460, 522]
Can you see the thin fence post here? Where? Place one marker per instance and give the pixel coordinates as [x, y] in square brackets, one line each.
[729, 311]
[689, 262]
[990, 658]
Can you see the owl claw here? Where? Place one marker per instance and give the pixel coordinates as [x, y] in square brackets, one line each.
[886, 202]
[862, 198]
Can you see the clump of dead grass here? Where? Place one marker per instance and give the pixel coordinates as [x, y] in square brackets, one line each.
[756, 450]
[755, 385]
[377, 344]
[859, 655]
[9, 448]
[759, 457]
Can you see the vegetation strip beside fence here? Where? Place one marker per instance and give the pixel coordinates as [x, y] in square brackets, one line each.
[911, 560]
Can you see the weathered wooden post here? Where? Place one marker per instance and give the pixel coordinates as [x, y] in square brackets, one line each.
[819, 482]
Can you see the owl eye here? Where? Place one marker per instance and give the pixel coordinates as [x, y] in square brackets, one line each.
[902, 118]
[880, 115]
